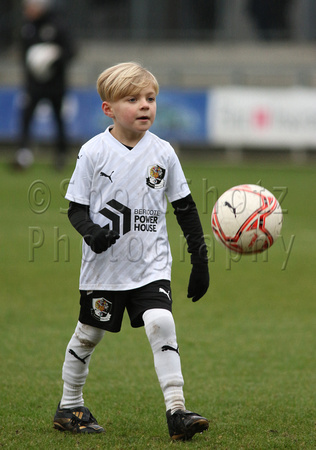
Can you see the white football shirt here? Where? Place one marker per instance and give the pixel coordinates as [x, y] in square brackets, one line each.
[126, 191]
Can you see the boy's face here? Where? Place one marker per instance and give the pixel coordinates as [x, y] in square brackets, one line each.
[132, 115]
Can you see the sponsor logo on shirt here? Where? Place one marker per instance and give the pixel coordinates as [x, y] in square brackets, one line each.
[121, 218]
[146, 219]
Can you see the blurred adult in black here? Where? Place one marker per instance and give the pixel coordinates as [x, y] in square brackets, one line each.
[47, 49]
[271, 18]
[6, 24]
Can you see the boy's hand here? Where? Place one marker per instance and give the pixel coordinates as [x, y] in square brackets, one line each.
[199, 281]
[102, 239]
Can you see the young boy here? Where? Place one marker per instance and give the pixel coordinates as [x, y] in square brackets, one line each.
[117, 197]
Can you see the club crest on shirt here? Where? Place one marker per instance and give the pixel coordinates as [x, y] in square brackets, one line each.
[101, 309]
[155, 177]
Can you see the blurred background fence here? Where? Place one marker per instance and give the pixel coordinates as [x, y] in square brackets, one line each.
[234, 74]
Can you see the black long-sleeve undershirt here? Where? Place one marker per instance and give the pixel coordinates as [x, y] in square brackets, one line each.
[189, 221]
[79, 216]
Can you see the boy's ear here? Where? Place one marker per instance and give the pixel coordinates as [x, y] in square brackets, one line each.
[107, 109]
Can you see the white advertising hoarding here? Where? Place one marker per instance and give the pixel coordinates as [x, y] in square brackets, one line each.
[239, 116]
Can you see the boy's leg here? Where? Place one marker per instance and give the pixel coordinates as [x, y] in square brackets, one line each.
[71, 415]
[161, 333]
[76, 365]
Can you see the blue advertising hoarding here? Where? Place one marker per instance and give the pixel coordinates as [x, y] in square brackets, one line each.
[181, 116]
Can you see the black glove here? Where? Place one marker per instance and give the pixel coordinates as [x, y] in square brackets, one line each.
[101, 239]
[199, 281]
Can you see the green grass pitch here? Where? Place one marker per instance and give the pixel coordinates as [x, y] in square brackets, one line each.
[247, 348]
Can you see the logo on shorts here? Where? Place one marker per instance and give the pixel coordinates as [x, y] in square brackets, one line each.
[101, 309]
[155, 177]
[167, 293]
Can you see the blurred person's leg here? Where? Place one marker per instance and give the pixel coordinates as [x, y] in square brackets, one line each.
[24, 156]
[61, 144]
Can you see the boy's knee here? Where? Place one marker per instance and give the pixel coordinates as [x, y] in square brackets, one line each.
[160, 328]
[87, 335]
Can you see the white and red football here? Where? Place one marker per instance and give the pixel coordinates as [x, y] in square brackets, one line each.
[247, 219]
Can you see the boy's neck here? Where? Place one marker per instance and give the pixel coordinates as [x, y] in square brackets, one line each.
[129, 140]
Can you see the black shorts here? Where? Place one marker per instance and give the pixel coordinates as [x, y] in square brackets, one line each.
[105, 309]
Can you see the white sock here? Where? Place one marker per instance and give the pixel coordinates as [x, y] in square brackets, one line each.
[161, 333]
[72, 396]
[76, 364]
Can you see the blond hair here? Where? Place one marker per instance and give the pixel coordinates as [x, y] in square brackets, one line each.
[124, 79]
